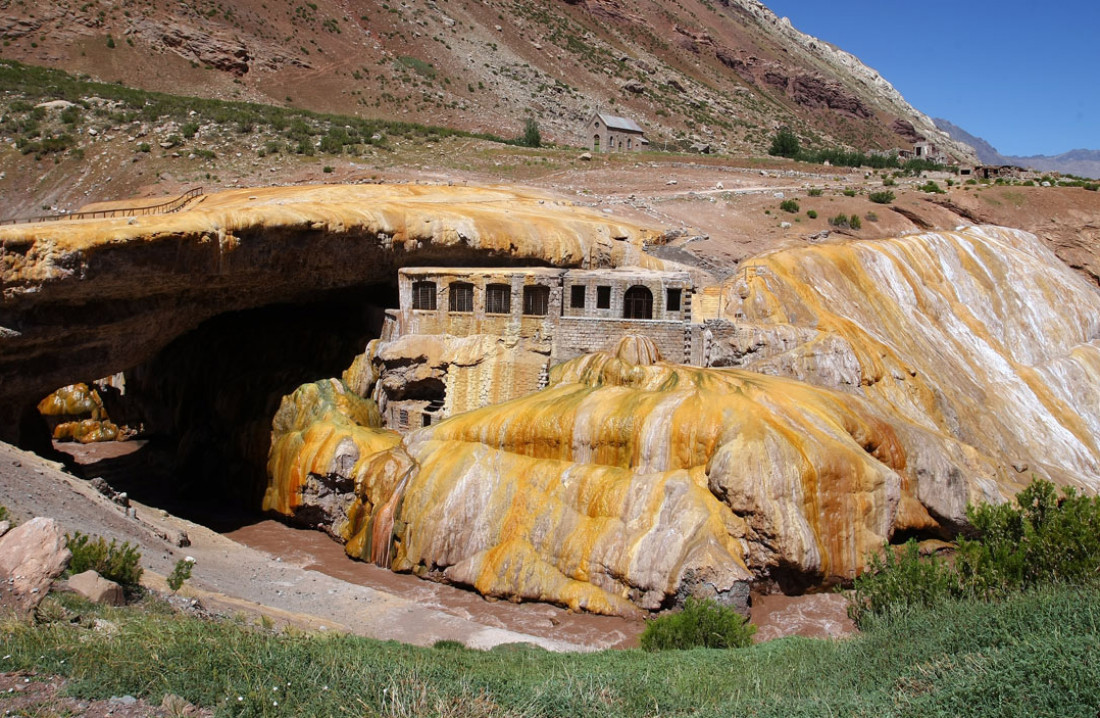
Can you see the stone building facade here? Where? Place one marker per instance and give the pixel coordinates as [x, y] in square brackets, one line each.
[608, 133]
[485, 335]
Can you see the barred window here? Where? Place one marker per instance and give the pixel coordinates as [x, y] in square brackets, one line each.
[536, 300]
[498, 299]
[461, 297]
[576, 296]
[424, 295]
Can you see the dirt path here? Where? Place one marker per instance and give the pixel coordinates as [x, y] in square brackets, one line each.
[231, 577]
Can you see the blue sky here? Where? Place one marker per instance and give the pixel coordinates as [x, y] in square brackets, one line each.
[1025, 76]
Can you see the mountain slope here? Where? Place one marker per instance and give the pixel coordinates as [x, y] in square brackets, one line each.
[1083, 163]
[726, 72]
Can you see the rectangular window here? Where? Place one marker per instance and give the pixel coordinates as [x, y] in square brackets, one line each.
[424, 295]
[536, 300]
[576, 296]
[461, 297]
[673, 303]
[603, 297]
[498, 299]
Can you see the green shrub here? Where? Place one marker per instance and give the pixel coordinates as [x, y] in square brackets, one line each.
[328, 169]
[1041, 540]
[144, 147]
[840, 221]
[888, 182]
[812, 214]
[120, 564]
[785, 144]
[816, 192]
[701, 623]
[931, 188]
[789, 205]
[849, 193]
[884, 197]
[1091, 186]
[4, 513]
[532, 137]
[180, 573]
[871, 217]
[110, 42]
[854, 222]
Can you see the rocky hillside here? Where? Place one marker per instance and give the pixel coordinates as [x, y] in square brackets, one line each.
[725, 73]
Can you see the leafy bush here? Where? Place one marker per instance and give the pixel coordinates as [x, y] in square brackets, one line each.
[854, 222]
[120, 564]
[789, 205]
[849, 193]
[4, 513]
[812, 214]
[532, 137]
[816, 192]
[840, 221]
[701, 623]
[931, 188]
[888, 182]
[1041, 540]
[884, 197]
[871, 217]
[144, 147]
[785, 144]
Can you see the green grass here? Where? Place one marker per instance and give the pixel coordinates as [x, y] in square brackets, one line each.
[1031, 654]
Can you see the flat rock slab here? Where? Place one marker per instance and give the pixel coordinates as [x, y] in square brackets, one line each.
[97, 589]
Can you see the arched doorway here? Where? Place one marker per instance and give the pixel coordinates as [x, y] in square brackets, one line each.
[638, 303]
[595, 143]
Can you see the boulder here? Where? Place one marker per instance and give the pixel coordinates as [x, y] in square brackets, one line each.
[31, 557]
[97, 589]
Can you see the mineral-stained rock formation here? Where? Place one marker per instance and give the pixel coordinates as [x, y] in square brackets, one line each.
[88, 298]
[910, 376]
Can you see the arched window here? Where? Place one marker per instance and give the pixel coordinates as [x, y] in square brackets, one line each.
[629, 140]
[595, 143]
[638, 303]
[461, 297]
[424, 295]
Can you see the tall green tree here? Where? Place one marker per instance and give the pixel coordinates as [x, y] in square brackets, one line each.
[785, 144]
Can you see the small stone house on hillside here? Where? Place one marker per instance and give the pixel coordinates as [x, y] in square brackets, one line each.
[608, 133]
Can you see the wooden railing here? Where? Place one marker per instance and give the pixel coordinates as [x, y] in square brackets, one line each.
[172, 205]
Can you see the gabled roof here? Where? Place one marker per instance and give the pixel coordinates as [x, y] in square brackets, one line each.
[619, 123]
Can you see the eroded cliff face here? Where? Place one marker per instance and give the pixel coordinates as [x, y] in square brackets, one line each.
[880, 387]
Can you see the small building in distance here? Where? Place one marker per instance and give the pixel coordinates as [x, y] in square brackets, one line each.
[608, 133]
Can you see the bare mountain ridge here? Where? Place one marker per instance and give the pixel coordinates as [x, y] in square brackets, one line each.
[1083, 163]
[725, 74]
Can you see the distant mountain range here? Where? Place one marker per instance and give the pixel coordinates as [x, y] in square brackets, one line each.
[1084, 163]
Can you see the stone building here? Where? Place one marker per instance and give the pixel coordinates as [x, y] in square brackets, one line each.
[465, 338]
[608, 133]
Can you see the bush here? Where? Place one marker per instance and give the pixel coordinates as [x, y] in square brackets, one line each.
[849, 193]
[931, 188]
[854, 222]
[1041, 540]
[871, 217]
[888, 182]
[144, 147]
[785, 144]
[812, 214]
[816, 192]
[789, 205]
[532, 137]
[701, 623]
[180, 573]
[884, 197]
[840, 221]
[120, 564]
[4, 513]
[328, 169]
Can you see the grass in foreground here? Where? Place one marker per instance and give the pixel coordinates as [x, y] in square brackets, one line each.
[1031, 654]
